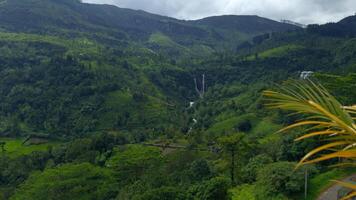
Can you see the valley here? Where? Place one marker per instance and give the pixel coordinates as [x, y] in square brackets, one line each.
[101, 102]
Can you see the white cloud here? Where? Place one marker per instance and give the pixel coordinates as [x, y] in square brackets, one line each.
[303, 11]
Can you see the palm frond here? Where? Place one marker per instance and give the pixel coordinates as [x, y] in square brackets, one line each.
[347, 185]
[323, 115]
[350, 196]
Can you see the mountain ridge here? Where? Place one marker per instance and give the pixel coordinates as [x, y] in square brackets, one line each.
[74, 18]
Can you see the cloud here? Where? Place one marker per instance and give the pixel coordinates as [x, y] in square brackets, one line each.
[303, 11]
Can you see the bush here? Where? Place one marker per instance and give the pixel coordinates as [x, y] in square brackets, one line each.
[280, 177]
[164, 193]
[134, 161]
[249, 171]
[200, 170]
[213, 189]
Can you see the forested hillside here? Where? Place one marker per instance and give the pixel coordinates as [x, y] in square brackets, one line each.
[100, 102]
[83, 61]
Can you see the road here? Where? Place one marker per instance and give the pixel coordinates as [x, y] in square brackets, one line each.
[331, 193]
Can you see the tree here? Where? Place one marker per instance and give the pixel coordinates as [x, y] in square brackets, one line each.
[233, 144]
[328, 119]
[215, 188]
[164, 193]
[280, 177]
[249, 171]
[134, 161]
[2, 146]
[200, 170]
[82, 181]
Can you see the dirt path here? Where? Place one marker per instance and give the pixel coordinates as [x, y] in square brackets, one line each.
[331, 192]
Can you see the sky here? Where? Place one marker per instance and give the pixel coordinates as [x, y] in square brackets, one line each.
[302, 11]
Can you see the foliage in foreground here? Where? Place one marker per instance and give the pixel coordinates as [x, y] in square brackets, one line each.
[329, 120]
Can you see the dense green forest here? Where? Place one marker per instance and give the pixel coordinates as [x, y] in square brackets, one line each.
[99, 102]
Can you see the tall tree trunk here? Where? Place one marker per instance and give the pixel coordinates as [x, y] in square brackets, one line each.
[233, 167]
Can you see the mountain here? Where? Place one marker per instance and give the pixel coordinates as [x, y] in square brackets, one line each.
[73, 19]
[248, 24]
[344, 28]
[70, 68]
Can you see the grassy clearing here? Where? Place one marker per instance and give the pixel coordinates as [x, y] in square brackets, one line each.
[134, 156]
[161, 39]
[243, 192]
[227, 122]
[167, 44]
[14, 147]
[120, 104]
[276, 52]
[225, 126]
[265, 127]
[77, 47]
[116, 102]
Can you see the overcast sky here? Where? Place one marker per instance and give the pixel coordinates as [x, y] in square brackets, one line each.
[302, 11]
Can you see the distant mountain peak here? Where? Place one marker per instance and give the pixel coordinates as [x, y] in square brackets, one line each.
[246, 23]
[286, 21]
[73, 17]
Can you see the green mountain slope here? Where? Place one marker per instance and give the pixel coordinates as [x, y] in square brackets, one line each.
[250, 24]
[116, 88]
[72, 18]
[343, 28]
[70, 68]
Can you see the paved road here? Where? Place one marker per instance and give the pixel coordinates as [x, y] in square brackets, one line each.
[331, 193]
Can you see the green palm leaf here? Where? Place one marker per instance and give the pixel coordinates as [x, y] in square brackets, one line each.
[325, 117]
[333, 123]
